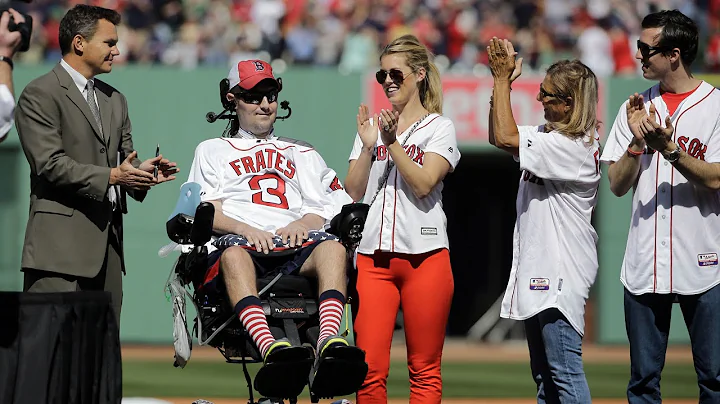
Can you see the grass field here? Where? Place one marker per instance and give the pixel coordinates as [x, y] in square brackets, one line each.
[214, 379]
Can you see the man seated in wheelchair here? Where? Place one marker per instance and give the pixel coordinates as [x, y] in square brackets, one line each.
[267, 190]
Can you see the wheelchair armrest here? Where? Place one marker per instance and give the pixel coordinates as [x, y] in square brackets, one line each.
[196, 230]
[350, 222]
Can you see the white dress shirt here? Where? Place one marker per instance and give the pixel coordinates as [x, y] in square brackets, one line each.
[81, 83]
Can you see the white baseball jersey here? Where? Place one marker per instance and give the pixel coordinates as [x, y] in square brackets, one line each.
[674, 237]
[266, 183]
[554, 243]
[399, 221]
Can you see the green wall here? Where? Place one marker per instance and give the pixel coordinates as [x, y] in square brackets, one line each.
[168, 106]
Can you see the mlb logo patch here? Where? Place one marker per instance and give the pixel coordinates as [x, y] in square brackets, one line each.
[428, 231]
[706, 260]
[539, 284]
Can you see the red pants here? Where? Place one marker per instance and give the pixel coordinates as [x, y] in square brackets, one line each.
[423, 285]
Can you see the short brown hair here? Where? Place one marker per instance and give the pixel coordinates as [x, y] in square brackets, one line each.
[83, 20]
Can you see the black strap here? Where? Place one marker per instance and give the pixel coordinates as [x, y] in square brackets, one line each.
[8, 61]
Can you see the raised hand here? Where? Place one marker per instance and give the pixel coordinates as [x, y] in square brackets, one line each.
[636, 115]
[366, 128]
[655, 135]
[501, 59]
[518, 61]
[9, 41]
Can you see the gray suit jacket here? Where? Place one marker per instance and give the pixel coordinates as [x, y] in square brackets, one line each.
[70, 214]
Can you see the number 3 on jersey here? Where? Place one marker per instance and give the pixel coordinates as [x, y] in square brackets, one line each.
[272, 185]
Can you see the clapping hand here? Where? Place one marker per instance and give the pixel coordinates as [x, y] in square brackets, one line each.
[655, 135]
[366, 127]
[128, 176]
[388, 121]
[636, 115]
[165, 168]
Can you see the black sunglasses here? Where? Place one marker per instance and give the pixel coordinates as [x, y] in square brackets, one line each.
[648, 51]
[396, 75]
[256, 98]
[545, 94]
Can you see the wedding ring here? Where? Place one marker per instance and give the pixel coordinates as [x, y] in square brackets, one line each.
[386, 128]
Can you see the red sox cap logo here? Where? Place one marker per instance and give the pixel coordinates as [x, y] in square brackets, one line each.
[258, 66]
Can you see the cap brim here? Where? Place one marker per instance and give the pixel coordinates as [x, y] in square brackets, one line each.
[252, 82]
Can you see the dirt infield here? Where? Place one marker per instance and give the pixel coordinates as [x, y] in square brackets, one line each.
[455, 350]
[450, 401]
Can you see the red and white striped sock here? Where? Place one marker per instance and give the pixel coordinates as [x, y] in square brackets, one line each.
[331, 311]
[253, 319]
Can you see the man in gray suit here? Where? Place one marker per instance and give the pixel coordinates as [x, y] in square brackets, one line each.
[76, 135]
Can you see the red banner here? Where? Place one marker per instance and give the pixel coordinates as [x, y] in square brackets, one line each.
[467, 103]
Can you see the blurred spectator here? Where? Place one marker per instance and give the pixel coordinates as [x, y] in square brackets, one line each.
[302, 40]
[622, 52]
[594, 47]
[359, 50]
[190, 33]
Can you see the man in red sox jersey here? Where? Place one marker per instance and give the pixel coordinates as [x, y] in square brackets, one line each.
[665, 143]
[265, 186]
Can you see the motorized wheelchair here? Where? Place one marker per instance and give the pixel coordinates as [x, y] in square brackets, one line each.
[289, 301]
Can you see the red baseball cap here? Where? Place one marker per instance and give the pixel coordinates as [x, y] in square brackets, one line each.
[248, 73]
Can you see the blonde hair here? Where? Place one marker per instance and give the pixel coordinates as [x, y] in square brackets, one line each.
[418, 56]
[571, 78]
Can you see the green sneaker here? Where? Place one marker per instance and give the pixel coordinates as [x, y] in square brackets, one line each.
[276, 346]
[285, 370]
[339, 369]
[331, 341]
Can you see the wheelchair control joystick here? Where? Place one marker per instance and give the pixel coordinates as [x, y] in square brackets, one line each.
[202, 227]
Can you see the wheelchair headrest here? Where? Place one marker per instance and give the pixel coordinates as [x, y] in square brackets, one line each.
[191, 221]
[350, 222]
[188, 200]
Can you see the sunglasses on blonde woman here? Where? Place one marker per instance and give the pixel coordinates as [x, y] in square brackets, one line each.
[396, 75]
[545, 94]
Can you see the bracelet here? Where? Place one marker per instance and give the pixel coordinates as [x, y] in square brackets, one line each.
[7, 60]
[634, 153]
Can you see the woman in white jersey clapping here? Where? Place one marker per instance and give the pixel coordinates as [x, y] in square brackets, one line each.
[397, 164]
[554, 243]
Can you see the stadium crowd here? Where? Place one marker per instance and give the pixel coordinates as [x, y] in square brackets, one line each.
[349, 33]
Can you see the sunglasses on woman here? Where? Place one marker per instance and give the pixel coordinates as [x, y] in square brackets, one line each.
[545, 94]
[256, 98]
[396, 75]
[648, 51]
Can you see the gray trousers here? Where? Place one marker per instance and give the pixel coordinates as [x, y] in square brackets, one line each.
[109, 278]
